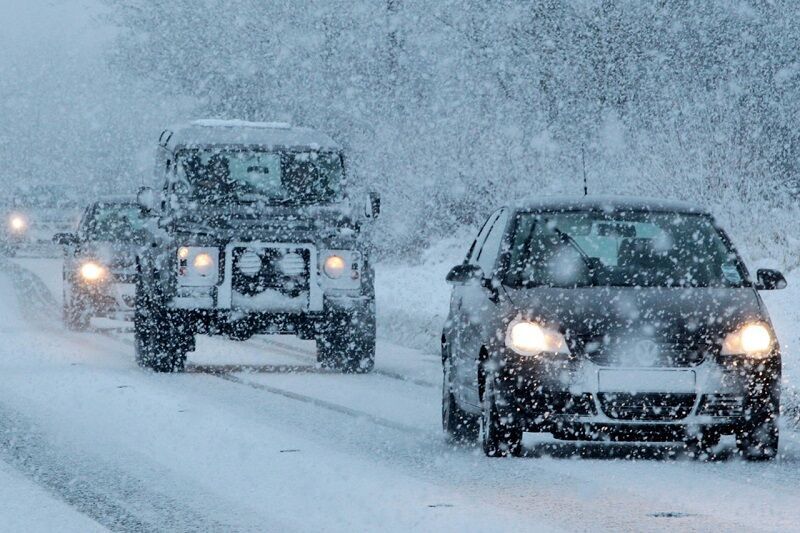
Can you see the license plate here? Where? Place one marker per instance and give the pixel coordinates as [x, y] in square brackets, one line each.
[635, 381]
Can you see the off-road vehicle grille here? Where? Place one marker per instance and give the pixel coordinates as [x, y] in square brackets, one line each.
[286, 270]
[651, 406]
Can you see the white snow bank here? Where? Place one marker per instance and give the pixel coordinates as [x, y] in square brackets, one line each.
[412, 300]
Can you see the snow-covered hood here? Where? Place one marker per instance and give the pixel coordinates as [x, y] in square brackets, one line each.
[117, 256]
[662, 314]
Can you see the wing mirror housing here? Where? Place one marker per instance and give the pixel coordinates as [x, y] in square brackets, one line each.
[146, 198]
[465, 273]
[372, 208]
[769, 280]
[65, 239]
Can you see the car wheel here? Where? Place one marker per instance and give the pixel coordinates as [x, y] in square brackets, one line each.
[347, 342]
[499, 436]
[155, 343]
[758, 440]
[459, 426]
[75, 312]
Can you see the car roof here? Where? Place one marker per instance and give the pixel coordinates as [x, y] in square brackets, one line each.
[608, 203]
[270, 135]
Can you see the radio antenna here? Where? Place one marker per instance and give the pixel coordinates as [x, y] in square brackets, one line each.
[583, 162]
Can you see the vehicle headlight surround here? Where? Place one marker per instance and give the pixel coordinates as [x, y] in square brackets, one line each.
[529, 338]
[754, 339]
[93, 271]
[198, 265]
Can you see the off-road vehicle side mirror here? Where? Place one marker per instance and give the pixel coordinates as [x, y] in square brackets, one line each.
[146, 198]
[373, 206]
[769, 279]
[65, 239]
[464, 273]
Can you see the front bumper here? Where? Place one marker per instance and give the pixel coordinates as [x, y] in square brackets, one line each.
[578, 397]
[114, 299]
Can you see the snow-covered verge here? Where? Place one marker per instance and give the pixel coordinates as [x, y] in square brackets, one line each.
[412, 299]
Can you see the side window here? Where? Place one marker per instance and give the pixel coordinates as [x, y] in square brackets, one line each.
[487, 257]
[475, 249]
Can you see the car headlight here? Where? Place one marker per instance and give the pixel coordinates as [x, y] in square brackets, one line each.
[530, 338]
[17, 223]
[92, 271]
[334, 266]
[754, 340]
[198, 265]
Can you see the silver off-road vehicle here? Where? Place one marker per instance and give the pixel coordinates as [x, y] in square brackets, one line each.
[254, 232]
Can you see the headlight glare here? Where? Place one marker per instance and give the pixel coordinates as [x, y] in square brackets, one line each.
[334, 266]
[530, 338]
[17, 223]
[203, 263]
[754, 340]
[91, 271]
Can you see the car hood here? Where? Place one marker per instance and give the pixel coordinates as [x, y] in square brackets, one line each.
[661, 314]
[114, 255]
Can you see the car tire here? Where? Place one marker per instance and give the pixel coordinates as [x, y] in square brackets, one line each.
[347, 342]
[76, 316]
[459, 426]
[499, 436]
[156, 344]
[757, 440]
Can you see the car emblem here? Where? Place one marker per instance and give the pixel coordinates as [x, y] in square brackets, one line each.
[647, 352]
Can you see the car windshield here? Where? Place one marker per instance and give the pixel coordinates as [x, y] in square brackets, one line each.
[275, 177]
[116, 223]
[623, 249]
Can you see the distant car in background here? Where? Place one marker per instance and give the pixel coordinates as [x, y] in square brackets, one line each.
[100, 262]
[32, 215]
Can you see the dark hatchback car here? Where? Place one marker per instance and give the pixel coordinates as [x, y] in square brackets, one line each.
[100, 262]
[609, 319]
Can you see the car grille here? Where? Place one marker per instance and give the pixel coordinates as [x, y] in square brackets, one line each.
[658, 355]
[651, 406]
[721, 405]
[286, 270]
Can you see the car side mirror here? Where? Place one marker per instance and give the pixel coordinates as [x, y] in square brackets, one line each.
[65, 239]
[769, 279]
[373, 206]
[146, 198]
[464, 273]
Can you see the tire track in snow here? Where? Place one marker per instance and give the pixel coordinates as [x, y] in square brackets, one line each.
[111, 496]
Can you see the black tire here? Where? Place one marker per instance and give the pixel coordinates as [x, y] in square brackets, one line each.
[156, 341]
[76, 316]
[459, 426]
[500, 437]
[757, 440]
[347, 342]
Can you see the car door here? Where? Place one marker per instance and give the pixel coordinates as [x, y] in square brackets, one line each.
[476, 304]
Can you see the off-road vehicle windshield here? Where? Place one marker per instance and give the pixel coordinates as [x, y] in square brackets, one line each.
[116, 224]
[223, 176]
[621, 249]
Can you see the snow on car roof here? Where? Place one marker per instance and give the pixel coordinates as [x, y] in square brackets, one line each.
[608, 203]
[207, 132]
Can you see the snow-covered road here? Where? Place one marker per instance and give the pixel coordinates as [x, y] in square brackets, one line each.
[255, 438]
